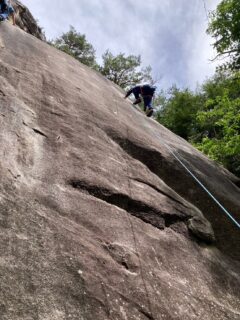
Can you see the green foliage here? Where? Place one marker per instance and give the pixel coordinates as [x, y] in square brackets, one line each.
[178, 111]
[124, 71]
[210, 119]
[76, 45]
[219, 124]
[225, 28]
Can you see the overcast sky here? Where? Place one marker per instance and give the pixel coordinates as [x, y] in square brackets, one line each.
[168, 34]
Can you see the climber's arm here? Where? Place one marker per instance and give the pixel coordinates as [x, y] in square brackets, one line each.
[128, 93]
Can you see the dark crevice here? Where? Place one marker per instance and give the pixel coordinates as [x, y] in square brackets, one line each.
[136, 208]
[14, 175]
[172, 219]
[125, 265]
[140, 309]
[35, 130]
[172, 173]
[159, 165]
[57, 114]
[146, 314]
[237, 183]
[40, 132]
[150, 157]
[2, 93]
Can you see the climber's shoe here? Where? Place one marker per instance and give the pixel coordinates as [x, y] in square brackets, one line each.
[137, 101]
[149, 112]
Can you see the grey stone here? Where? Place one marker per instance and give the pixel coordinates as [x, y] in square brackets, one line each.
[95, 211]
[26, 21]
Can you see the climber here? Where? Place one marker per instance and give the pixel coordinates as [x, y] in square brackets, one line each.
[6, 10]
[147, 92]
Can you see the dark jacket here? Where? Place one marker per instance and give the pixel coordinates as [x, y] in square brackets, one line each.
[145, 90]
[5, 7]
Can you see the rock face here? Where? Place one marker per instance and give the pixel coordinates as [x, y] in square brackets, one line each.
[98, 220]
[25, 20]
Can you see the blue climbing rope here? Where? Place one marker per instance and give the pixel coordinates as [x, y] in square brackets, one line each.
[203, 187]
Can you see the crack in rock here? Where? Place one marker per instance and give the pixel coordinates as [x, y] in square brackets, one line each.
[40, 132]
[137, 208]
[36, 130]
[151, 158]
[198, 225]
[57, 114]
[237, 183]
[2, 93]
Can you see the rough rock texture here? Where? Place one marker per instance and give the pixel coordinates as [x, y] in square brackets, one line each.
[25, 20]
[97, 218]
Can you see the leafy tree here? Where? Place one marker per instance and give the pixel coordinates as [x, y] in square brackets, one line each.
[224, 144]
[124, 71]
[210, 118]
[76, 45]
[225, 28]
[219, 123]
[178, 111]
[160, 100]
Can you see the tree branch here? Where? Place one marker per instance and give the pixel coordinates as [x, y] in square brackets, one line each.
[223, 53]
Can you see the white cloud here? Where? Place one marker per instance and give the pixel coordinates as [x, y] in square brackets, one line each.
[168, 34]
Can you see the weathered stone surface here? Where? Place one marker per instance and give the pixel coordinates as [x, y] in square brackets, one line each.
[97, 218]
[26, 21]
[202, 229]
